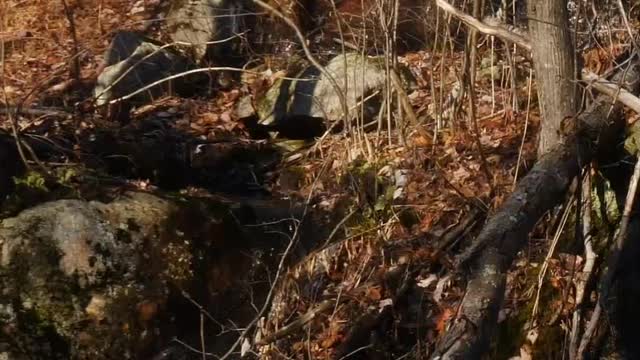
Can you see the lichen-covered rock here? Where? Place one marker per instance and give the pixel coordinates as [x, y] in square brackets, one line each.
[314, 96]
[92, 280]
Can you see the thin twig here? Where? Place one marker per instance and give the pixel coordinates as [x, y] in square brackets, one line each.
[75, 65]
[583, 277]
[193, 71]
[476, 130]
[545, 265]
[497, 31]
[267, 301]
[157, 50]
[524, 132]
[298, 323]
[281, 268]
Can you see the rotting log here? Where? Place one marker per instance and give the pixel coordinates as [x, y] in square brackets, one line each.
[506, 232]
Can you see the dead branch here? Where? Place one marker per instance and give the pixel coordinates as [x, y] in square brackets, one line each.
[299, 322]
[583, 278]
[34, 111]
[504, 235]
[404, 99]
[190, 72]
[160, 48]
[487, 29]
[607, 87]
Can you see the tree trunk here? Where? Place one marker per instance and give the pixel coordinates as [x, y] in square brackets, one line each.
[554, 64]
[598, 129]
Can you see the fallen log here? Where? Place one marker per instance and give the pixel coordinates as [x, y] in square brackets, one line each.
[591, 134]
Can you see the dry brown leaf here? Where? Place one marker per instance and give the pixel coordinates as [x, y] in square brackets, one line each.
[444, 317]
[374, 293]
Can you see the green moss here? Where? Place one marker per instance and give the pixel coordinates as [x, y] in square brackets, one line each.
[511, 333]
[33, 188]
[32, 180]
[549, 343]
[509, 337]
[42, 336]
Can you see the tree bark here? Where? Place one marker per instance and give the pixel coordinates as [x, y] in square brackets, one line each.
[554, 64]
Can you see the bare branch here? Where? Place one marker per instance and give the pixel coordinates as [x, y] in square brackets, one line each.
[189, 72]
[497, 31]
[609, 88]
[146, 57]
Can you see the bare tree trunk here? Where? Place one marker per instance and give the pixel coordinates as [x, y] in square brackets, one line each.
[554, 63]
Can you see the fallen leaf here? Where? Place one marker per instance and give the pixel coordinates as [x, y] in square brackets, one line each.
[374, 293]
[443, 319]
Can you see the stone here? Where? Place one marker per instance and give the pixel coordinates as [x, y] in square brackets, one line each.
[133, 62]
[314, 96]
[88, 280]
[200, 22]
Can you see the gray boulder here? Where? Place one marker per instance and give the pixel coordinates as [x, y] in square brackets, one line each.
[93, 280]
[133, 62]
[199, 22]
[314, 96]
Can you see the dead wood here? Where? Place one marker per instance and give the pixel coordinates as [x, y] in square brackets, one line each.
[488, 29]
[35, 111]
[298, 323]
[595, 130]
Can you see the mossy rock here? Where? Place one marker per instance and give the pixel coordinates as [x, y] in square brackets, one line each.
[92, 280]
